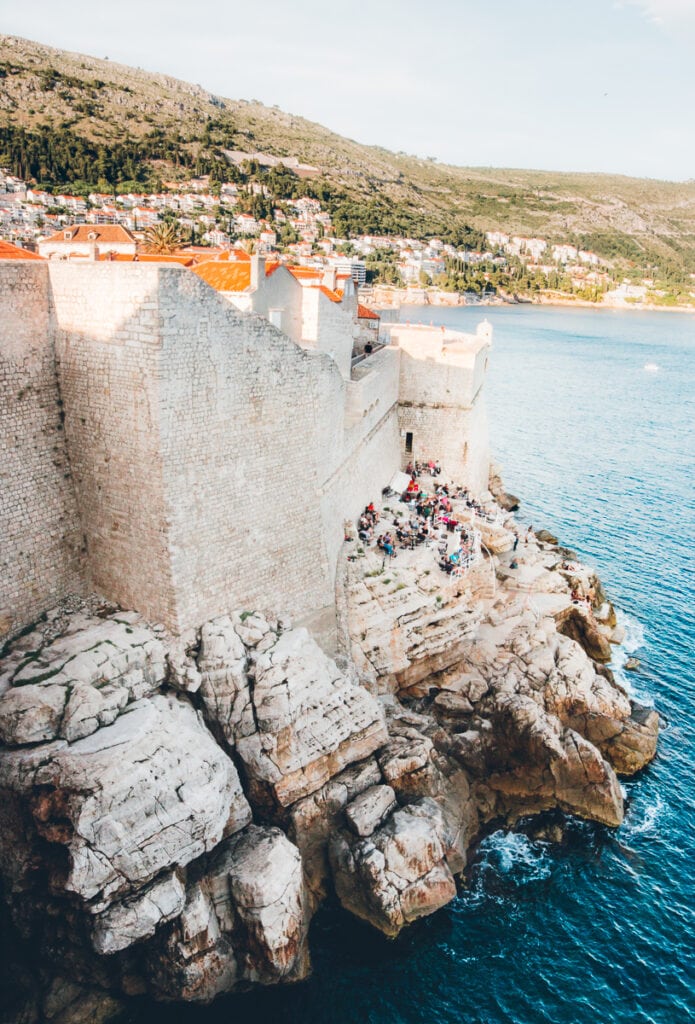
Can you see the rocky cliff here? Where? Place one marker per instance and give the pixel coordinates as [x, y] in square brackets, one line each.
[173, 811]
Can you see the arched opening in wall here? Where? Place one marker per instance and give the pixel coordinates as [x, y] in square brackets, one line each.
[409, 443]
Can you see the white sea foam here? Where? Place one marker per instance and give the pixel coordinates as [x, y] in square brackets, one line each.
[514, 855]
[635, 638]
[643, 820]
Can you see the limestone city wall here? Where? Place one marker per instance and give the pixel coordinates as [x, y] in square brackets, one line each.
[40, 533]
[456, 436]
[107, 323]
[213, 460]
[197, 436]
[365, 469]
[280, 295]
[244, 414]
[373, 389]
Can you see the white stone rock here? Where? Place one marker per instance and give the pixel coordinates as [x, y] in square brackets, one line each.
[265, 881]
[31, 713]
[311, 721]
[397, 874]
[370, 809]
[141, 796]
[91, 673]
[138, 918]
[224, 682]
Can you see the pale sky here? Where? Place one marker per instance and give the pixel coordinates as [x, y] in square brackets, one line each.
[585, 85]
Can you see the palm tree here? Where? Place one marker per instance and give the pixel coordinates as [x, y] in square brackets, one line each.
[162, 238]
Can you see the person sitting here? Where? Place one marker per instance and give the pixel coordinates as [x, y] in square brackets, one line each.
[437, 468]
[388, 545]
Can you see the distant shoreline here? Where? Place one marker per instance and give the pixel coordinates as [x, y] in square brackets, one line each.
[396, 298]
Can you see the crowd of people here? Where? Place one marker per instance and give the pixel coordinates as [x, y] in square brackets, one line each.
[428, 518]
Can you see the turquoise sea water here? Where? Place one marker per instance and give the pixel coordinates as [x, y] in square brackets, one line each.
[599, 930]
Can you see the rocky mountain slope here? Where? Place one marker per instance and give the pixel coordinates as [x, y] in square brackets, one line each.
[104, 102]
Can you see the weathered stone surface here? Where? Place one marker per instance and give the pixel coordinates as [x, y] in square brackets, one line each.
[68, 1003]
[311, 721]
[635, 745]
[183, 673]
[32, 713]
[314, 818]
[546, 537]
[267, 889]
[533, 763]
[143, 795]
[245, 921]
[80, 681]
[193, 958]
[138, 917]
[223, 664]
[397, 874]
[509, 502]
[579, 624]
[367, 811]
[402, 628]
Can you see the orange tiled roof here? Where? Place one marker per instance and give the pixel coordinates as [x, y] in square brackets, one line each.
[305, 272]
[364, 313]
[105, 233]
[334, 296]
[226, 275]
[8, 251]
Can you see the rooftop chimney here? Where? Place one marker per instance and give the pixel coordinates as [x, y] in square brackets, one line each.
[330, 278]
[257, 272]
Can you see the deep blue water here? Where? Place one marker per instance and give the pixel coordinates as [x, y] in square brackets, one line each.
[599, 930]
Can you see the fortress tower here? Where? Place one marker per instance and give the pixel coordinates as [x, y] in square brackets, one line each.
[441, 408]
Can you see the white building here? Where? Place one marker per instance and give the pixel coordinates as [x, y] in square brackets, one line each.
[88, 240]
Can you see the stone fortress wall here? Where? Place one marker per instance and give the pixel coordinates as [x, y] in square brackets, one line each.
[40, 531]
[207, 462]
[441, 406]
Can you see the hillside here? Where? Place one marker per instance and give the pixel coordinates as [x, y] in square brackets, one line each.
[68, 118]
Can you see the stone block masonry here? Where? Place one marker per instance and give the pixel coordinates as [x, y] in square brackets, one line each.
[195, 435]
[40, 532]
[184, 458]
[441, 406]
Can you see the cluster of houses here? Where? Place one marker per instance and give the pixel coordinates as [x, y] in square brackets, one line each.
[27, 213]
[582, 266]
[39, 220]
